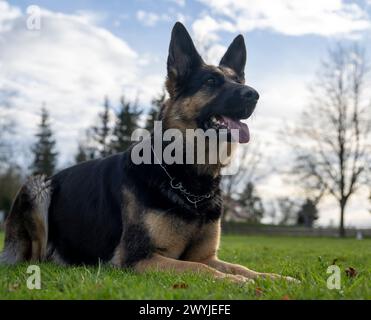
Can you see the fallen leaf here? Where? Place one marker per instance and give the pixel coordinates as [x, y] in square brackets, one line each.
[13, 287]
[258, 291]
[351, 272]
[285, 297]
[181, 285]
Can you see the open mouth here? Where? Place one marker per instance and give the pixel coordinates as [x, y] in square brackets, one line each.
[240, 133]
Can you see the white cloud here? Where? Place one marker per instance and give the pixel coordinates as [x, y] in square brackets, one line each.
[181, 17]
[92, 17]
[150, 19]
[205, 31]
[206, 28]
[289, 17]
[70, 65]
[7, 15]
[180, 3]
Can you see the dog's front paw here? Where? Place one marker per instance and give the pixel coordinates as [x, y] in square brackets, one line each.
[238, 279]
[291, 279]
[274, 276]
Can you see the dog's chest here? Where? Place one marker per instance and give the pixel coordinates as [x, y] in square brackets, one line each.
[169, 234]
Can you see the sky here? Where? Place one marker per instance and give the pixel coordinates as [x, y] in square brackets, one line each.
[85, 50]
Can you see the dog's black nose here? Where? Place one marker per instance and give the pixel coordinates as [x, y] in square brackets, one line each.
[251, 94]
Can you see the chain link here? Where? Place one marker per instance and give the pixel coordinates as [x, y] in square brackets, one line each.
[192, 198]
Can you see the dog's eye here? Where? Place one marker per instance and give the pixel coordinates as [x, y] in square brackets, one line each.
[211, 81]
[236, 79]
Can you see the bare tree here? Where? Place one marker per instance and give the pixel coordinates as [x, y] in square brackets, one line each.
[288, 209]
[248, 171]
[6, 132]
[333, 137]
[10, 173]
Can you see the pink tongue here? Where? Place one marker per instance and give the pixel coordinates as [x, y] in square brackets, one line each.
[243, 129]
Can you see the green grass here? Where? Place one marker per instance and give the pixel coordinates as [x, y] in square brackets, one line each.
[304, 258]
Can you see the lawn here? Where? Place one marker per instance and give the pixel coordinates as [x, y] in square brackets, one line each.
[304, 258]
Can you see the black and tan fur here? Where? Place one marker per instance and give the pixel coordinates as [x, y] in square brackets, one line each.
[114, 211]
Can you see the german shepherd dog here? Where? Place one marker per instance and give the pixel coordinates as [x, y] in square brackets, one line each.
[131, 216]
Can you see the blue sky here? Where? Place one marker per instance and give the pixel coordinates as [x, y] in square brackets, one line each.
[269, 50]
[87, 49]
[275, 51]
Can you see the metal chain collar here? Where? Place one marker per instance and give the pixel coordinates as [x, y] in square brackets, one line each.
[192, 198]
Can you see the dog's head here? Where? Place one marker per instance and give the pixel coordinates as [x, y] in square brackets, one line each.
[205, 96]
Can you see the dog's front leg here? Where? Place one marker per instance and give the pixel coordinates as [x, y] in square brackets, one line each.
[237, 269]
[158, 262]
[205, 251]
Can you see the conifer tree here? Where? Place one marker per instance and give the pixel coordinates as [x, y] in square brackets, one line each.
[81, 154]
[44, 153]
[101, 134]
[127, 120]
[153, 114]
[252, 203]
[87, 149]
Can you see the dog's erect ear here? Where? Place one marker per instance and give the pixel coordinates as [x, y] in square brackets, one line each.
[183, 56]
[235, 57]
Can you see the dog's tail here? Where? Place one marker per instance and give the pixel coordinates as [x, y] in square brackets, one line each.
[26, 226]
